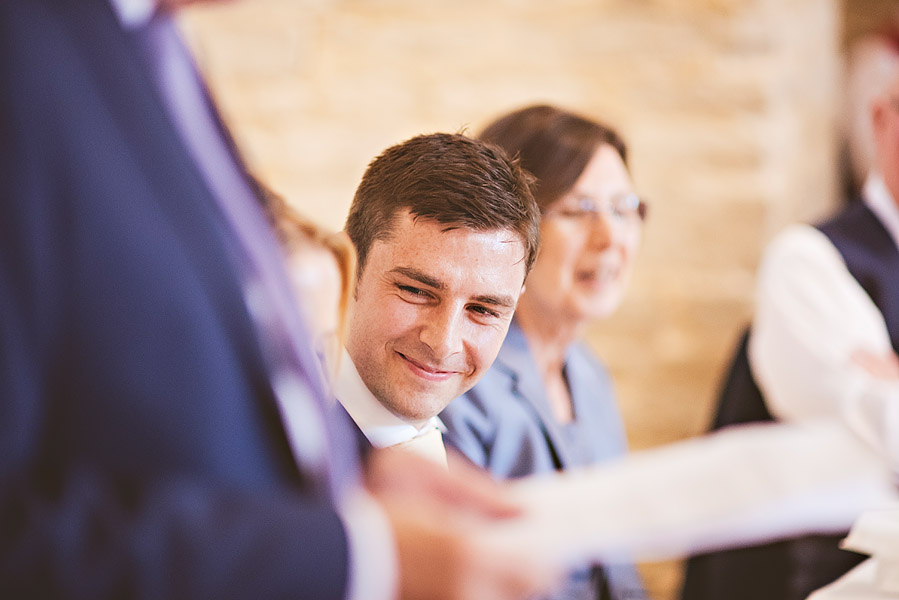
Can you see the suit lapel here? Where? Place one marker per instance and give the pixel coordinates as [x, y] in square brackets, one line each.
[173, 182]
[516, 359]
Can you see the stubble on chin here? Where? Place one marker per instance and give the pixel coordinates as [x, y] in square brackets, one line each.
[411, 406]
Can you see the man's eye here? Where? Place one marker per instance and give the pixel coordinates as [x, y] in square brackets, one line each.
[412, 291]
[484, 311]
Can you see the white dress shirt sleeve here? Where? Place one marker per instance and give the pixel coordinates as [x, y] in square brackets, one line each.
[374, 568]
[811, 316]
[743, 485]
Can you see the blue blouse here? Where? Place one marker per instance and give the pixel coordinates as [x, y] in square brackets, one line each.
[505, 424]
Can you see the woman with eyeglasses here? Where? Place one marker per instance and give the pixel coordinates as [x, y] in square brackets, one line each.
[547, 403]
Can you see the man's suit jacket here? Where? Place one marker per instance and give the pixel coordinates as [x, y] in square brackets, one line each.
[141, 449]
[505, 425]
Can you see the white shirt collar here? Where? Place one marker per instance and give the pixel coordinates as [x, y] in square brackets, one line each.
[133, 13]
[382, 427]
[878, 198]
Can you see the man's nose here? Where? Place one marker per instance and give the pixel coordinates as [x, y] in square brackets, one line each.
[442, 332]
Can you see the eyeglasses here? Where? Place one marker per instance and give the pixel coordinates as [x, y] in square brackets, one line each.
[622, 208]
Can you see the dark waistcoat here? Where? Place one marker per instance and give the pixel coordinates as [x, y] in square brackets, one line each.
[791, 569]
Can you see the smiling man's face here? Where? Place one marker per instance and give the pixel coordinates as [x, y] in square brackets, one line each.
[431, 310]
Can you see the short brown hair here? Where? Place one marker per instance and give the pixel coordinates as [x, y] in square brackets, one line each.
[449, 178]
[552, 144]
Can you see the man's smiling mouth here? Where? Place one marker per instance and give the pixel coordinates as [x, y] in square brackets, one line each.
[425, 371]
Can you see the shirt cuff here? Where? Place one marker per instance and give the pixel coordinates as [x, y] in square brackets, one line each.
[373, 563]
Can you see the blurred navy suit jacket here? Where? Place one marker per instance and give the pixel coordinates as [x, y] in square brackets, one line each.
[141, 449]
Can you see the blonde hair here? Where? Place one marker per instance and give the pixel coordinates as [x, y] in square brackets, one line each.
[295, 232]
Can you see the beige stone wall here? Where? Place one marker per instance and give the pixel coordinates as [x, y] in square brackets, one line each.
[728, 106]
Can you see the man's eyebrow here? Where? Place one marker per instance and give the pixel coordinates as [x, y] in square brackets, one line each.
[501, 301]
[420, 277]
[433, 282]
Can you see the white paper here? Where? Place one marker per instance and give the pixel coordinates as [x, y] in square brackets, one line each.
[876, 533]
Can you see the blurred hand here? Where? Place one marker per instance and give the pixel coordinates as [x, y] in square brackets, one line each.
[884, 366]
[440, 520]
